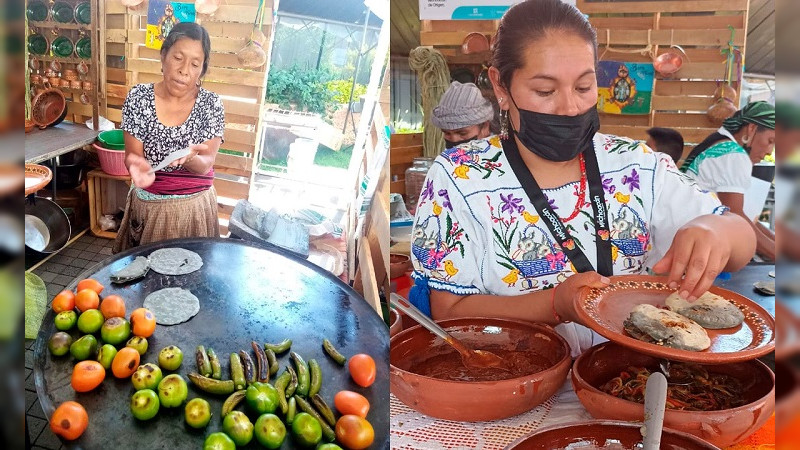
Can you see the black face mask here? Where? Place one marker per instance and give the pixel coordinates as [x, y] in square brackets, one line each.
[555, 137]
[451, 144]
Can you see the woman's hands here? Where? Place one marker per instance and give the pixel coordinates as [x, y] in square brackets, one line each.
[140, 172]
[699, 252]
[567, 292]
[195, 150]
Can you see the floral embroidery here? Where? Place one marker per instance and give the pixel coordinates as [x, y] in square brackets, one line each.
[468, 157]
[632, 180]
[446, 197]
[427, 193]
[510, 204]
[608, 185]
[431, 242]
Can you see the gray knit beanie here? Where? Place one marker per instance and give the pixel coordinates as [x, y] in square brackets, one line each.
[461, 106]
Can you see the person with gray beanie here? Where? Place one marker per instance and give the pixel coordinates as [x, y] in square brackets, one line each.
[463, 114]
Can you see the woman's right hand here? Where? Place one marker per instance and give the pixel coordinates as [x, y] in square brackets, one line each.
[567, 292]
[140, 174]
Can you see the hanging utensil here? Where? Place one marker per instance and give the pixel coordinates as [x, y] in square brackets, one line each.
[56, 66]
[477, 359]
[82, 68]
[475, 43]
[252, 55]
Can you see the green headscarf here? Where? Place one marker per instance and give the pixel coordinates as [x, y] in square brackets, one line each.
[787, 114]
[758, 113]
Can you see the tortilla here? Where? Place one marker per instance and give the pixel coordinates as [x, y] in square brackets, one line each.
[136, 269]
[174, 261]
[172, 306]
[710, 310]
[651, 324]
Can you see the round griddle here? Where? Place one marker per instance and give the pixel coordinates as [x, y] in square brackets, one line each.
[246, 293]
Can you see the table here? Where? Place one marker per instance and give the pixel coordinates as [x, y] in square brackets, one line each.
[41, 145]
[246, 293]
[411, 429]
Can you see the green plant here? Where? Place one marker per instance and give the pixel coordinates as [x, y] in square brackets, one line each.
[340, 90]
[304, 88]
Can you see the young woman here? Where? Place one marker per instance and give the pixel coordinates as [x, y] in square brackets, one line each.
[158, 119]
[552, 203]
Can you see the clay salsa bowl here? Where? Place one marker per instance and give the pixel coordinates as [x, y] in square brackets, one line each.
[472, 401]
[722, 428]
[582, 435]
[395, 322]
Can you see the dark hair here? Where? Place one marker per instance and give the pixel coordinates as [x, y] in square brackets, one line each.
[529, 21]
[668, 141]
[189, 30]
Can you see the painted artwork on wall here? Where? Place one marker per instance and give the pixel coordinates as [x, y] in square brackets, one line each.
[162, 15]
[624, 87]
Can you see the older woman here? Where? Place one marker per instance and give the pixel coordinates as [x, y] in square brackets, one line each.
[723, 162]
[161, 118]
[553, 203]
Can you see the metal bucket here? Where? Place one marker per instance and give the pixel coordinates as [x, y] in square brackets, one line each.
[47, 228]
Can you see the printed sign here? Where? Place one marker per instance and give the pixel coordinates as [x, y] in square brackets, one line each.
[466, 9]
[162, 15]
[624, 88]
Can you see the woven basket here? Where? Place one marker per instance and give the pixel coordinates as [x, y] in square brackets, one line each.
[111, 161]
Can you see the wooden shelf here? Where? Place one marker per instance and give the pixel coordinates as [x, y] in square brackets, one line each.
[96, 200]
[68, 59]
[63, 26]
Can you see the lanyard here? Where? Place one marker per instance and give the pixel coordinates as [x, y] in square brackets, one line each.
[605, 264]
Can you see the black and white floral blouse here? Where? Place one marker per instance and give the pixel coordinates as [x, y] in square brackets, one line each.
[206, 121]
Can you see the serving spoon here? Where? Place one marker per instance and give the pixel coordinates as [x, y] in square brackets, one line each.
[655, 401]
[476, 359]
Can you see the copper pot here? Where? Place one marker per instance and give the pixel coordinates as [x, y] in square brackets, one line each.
[64, 83]
[55, 81]
[69, 74]
[84, 98]
[47, 106]
[75, 84]
[87, 85]
[50, 73]
[36, 79]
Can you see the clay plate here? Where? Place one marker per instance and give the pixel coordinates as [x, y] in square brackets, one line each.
[722, 428]
[604, 310]
[36, 177]
[478, 400]
[597, 432]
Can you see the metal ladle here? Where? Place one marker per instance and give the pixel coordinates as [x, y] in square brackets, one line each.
[476, 359]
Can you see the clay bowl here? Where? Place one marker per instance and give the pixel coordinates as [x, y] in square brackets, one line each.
[395, 322]
[722, 428]
[472, 401]
[596, 433]
[398, 265]
[787, 394]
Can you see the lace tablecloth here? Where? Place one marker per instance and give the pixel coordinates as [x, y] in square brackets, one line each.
[413, 430]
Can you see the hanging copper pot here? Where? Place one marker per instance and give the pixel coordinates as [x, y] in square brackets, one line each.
[55, 66]
[82, 68]
[84, 98]
[75, 84]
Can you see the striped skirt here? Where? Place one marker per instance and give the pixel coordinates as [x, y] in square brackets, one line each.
[148, 221]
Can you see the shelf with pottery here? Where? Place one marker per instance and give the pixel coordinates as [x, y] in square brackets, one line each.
[63, 26]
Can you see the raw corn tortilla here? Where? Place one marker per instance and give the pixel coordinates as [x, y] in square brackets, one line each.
[134, 270]
[172, 306]
[710, 310]
[174, 261]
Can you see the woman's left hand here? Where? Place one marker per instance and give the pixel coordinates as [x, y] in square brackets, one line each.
[697, 255]
[195, 150]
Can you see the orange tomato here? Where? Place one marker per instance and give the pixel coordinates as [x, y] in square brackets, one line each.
[354, 432]
[362, 369]
[64, 301]
[89, 283]
[143, 322]
[125, 362]
[349, 402]
[87, 299]
[87, 375]
[113, 306]
[69, 420]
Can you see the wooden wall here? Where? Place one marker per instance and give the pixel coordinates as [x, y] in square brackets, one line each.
[405, 147]
[700, 27]
[243, 91]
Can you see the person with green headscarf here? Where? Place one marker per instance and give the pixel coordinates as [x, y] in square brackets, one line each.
[723, 162]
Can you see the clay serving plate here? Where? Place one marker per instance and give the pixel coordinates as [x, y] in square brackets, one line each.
[36, 177]
[604, 310]
[597, 433]
[478, 400]
[722, 428]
